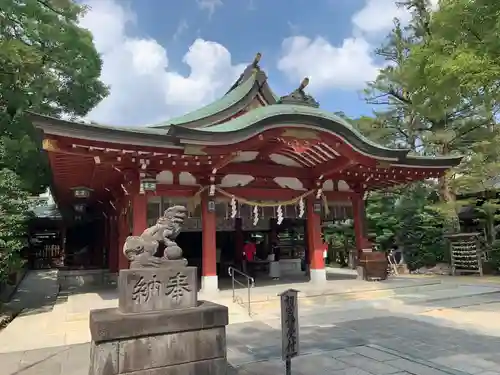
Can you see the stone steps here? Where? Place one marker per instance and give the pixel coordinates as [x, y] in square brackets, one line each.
[325, 297]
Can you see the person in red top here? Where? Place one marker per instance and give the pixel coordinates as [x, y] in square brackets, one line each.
[249, 251]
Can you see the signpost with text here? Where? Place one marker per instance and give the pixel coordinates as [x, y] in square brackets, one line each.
[289, 327]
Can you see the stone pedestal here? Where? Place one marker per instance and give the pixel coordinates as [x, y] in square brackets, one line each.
[318, 276]
[159, 328]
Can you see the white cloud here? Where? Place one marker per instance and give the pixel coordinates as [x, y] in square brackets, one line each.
[181, 28]
[143, 88]
[347, 66]
[378, 15]
[351, 64]
[209, 5]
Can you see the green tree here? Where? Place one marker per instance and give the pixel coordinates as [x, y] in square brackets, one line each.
[13, 219]
[48, 65]
[421, 227]
[397, 123]
[410, 117]
[434, 100]
[479, 179]
[377, 130]
[454, 69]
[406, 218]
[460, 55]
[480, 170]
[382, 219]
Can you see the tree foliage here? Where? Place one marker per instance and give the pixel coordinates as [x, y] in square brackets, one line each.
[407, 95]
[438, 95]
[421, 228]
[460, 58]
[13, 215]
[48, 65]
[404, 217]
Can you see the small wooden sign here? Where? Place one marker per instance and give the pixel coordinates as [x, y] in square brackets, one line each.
[289, 324]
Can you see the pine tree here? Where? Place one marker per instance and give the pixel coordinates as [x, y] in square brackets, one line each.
[417, 124]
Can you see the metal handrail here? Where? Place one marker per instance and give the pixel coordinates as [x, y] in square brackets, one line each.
[249, 284]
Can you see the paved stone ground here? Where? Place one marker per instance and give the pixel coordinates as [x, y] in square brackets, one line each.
[357, 341]
[62, 319]
[452, 330]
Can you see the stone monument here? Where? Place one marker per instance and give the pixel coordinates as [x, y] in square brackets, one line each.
[159, 327]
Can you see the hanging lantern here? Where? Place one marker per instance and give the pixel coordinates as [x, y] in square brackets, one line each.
[211, 189]
[317, 207]
[80, 208]
[147, 184]
[81, 192]
[211, 205]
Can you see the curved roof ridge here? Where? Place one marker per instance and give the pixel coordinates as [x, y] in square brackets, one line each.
[46, 119]
[269, 94]
[293, 115]
[250, 82]
[259, 114]
[226, 101]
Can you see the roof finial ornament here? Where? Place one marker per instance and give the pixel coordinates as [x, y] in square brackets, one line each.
[250, 70]
[256, 60]
[299, 96]
[304, 84]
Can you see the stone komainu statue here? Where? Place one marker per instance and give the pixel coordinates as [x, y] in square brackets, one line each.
[143, 250]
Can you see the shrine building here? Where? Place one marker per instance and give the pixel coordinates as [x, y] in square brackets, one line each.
[249, 163]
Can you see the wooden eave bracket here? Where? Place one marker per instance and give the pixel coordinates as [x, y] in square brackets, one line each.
[324, 171]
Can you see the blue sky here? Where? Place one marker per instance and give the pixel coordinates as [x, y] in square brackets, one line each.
[164, 57]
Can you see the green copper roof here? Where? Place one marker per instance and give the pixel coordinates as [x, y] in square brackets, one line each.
[93, 125]
[300, 116]
[248, 125]
[228, 100]
[92, 131]
[259, 114]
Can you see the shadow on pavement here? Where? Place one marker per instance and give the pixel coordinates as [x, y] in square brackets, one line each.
[381, 343]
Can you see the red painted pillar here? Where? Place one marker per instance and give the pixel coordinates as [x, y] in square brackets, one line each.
[315, 244]
[139, 210]
[209, 280]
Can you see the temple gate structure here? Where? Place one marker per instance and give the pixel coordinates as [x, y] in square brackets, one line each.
[251, 160]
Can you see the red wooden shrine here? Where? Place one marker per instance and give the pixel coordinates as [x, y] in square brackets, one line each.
[250, 146]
